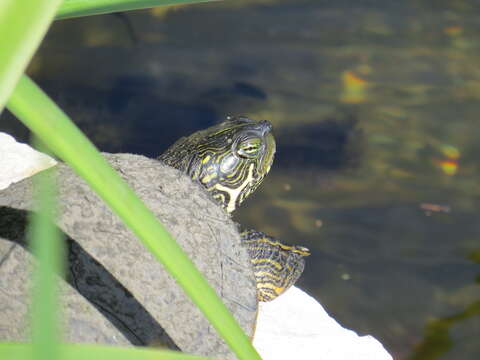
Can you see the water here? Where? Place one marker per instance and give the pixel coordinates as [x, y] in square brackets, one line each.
[375, 108]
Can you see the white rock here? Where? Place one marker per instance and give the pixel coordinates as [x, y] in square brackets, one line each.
[19, 161]
[295, 326]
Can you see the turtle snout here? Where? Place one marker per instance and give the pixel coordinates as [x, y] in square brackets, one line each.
[265, 127]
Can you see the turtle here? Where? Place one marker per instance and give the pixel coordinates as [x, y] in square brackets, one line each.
[230, 160]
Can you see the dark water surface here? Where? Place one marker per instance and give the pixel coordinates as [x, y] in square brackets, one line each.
[375, 106]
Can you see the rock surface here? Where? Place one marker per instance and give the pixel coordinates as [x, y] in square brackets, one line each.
[116, 292]
[19, 161]
[295, 326]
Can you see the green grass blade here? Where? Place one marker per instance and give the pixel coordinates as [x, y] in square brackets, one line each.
[35, 109]
[83, 352]
[75, 8]
[23, 24]
[45, 243]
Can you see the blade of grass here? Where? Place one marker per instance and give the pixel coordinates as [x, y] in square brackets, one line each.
[81, 352]
[46, 244]
[35, 109]
[23, 25]
[76, 8]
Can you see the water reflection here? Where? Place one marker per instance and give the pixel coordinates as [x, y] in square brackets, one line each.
[375, 107]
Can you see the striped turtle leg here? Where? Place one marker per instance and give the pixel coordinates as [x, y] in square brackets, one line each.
[276, 266]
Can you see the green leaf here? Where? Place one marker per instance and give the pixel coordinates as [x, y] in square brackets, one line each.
[84, 352]
[35, 109]
[45, 242]
[75, 8]
[23, 24]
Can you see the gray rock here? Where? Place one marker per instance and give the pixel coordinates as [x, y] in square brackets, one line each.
[115, 291]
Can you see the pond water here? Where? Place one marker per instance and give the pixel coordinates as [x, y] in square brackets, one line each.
[375, 107]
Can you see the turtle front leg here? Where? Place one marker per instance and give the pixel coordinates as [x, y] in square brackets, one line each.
[276, 266]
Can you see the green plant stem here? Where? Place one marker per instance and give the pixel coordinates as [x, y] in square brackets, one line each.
[76, 8]
[35, 109]
[23, 24]
[83, 352]
[45, 242]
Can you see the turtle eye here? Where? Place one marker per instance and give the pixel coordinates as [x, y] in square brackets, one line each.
[250, 148]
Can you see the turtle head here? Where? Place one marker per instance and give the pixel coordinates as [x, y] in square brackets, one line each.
[231, 159]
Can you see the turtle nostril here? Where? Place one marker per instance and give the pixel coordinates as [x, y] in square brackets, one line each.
[265, 126]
